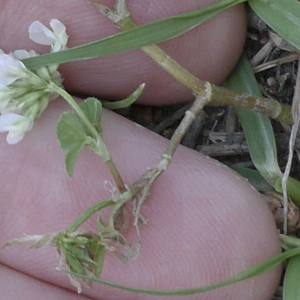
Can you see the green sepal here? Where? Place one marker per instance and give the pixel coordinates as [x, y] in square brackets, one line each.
[99, 255]
[81, 254]
[75, 266]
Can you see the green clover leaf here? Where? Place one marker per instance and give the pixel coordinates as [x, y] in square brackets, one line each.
[73, 134]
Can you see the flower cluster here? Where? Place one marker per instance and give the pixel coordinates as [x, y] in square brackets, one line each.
[25, 94]
[82, 252]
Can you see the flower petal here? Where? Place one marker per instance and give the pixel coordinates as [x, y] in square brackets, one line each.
[15, 137]
[23, 54]
[11, 69]
[58, 27]
[16, 126]
[40, 34]
[59, 30]
[8, 121]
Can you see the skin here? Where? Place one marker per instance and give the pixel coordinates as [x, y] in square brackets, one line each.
[206, 224]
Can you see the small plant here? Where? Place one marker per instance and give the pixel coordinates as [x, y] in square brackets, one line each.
[29, 82]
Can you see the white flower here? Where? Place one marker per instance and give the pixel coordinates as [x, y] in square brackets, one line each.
[23, 54]
[57, 38]
[11, 69]
[16, 126]
[25, 94]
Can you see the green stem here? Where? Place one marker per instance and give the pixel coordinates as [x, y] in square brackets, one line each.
[219, 96]
[190, 115]
[166, 62]
[117, 203]
[103, 151]
[88, 214]
[56, 89]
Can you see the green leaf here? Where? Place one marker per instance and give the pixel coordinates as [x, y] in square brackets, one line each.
[73, 134]
[293, 189]
[257, 127]
[291, 284]
[289, 242]
[72, 138]
[281, 15]
[250, 273]
[259, 133]
[92, 108]
[136, 38]
[254, 178]
[71, 159]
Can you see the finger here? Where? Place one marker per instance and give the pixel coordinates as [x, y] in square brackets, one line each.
[209, 51]
[205, 223]
[15, 285]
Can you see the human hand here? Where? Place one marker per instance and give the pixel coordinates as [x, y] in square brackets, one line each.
[205, 223]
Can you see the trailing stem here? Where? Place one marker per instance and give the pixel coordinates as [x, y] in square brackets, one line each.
[141, 189]
[100, 146]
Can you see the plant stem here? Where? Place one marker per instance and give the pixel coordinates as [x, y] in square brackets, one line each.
[269, 107]
[166, 62]
[144, 186]
[88, 214]
[202, 90]
[202, 99]
[56, 89]
[117, 203]
[101, 150]
[219, 96]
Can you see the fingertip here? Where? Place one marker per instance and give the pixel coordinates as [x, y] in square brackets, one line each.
[205, 223]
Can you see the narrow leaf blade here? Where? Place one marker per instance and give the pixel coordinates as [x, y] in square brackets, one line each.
[254, 178]
[259, 133]
[257, 127]
[136, 38]
[282, 16]
[291, 285]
